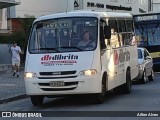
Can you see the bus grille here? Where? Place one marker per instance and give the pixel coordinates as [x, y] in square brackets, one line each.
[57, 73]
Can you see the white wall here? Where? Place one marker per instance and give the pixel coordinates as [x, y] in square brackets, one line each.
[134, 4]
[40, 7]
[123, 3]
[156, 5]
[43, 7]
[3, 19]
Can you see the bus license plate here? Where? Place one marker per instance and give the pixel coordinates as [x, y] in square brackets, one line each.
[56, 83]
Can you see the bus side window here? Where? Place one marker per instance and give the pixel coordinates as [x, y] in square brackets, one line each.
[116, 38]
[113, 25]
[103, 44]
[129, 25]
[129, 39]
[121, 26]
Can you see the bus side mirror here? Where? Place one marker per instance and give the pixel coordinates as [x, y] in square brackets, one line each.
[107, 32]
[148, 57]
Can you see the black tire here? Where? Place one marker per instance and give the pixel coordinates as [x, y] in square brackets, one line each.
[37, 100]
[127, 85]
[144, 77]
[151, 77]
[100, 97]
[118, 90]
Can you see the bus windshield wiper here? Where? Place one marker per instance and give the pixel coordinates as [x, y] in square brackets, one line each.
[46, 49]
[66, 47]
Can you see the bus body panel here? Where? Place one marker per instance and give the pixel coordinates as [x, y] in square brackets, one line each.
[65, 68]
[147, 27]
[84, 85]
[127, 58]
[54, 62]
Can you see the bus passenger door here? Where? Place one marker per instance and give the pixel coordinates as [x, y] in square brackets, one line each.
[118, 57]
[106, 56]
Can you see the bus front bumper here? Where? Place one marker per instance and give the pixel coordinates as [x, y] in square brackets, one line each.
[85, 85]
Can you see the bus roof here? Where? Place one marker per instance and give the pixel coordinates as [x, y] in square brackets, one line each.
[79, 13]
[149, 17]
[148, 13]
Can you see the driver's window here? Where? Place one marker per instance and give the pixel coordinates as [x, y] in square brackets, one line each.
[103, 42]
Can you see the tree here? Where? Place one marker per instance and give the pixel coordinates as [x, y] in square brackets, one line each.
[26, 24]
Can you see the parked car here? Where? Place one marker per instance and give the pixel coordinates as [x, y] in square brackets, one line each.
[145, 65]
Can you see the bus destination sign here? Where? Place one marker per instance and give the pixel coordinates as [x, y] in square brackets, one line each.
[146, 18]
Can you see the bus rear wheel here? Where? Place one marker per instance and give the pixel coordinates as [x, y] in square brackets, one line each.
[37, 100]
[127, 85]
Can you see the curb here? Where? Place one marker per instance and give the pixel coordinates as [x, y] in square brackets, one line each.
[6, 100]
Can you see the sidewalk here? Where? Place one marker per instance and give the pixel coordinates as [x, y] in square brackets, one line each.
[11, 88]
[4, 67]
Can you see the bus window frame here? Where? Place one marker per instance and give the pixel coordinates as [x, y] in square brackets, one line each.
[126, 33]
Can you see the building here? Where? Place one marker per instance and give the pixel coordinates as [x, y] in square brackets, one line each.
[4, 4]
[36, 8]
[44, 7]
[156, 5]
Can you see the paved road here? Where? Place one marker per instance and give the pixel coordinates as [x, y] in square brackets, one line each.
[144, 97]
[5, 55]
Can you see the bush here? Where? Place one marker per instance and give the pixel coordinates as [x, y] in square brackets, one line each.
[19, 37]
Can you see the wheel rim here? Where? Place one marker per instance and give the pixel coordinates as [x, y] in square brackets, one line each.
[152, 74]
[144, 76]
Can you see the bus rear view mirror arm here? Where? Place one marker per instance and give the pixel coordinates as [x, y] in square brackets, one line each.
[107, 32]
[148, 57]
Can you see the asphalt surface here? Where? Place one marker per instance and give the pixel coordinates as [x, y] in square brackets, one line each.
[5, 54]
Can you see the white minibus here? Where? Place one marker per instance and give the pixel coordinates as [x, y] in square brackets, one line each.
[80, 52]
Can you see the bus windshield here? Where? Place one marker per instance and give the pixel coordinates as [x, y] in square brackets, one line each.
[148, 34]
[64, 35]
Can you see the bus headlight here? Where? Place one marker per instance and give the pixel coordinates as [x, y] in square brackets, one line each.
[30, 75]
[88, 72]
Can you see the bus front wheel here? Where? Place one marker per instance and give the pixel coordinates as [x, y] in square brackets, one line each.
[100, 97]
[37, 100]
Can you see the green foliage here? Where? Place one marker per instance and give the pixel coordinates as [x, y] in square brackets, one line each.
[18, 36]
[26, 24]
